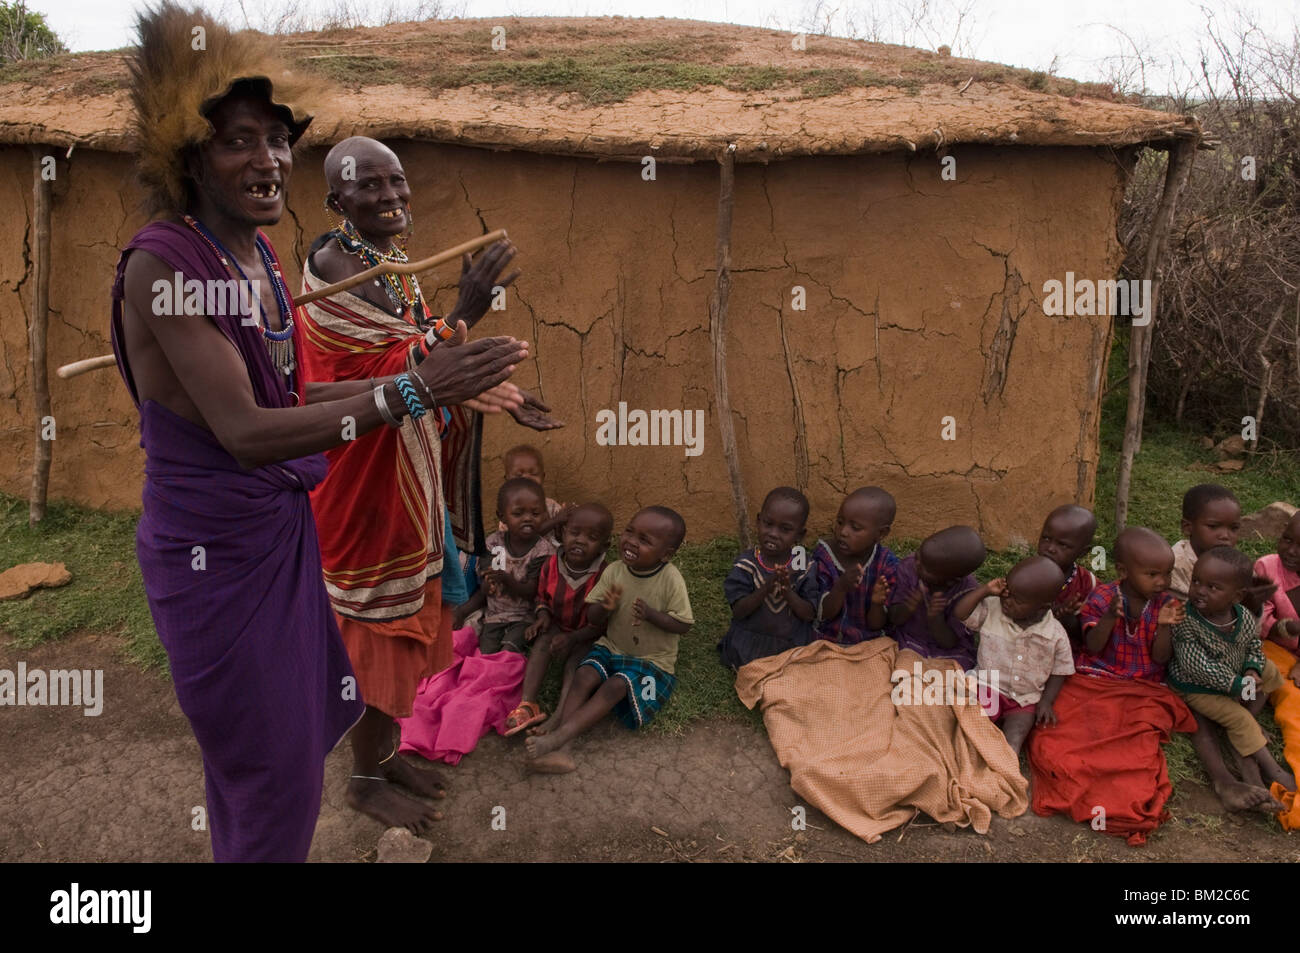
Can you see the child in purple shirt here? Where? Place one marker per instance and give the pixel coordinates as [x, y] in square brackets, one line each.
[855, 570]
[938, 574]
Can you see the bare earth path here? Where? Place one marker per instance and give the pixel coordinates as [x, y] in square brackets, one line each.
[123, 787]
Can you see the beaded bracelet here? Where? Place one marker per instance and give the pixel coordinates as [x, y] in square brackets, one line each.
[381, 402]
[414, 406]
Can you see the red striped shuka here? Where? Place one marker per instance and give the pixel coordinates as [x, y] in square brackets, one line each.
[563, 592]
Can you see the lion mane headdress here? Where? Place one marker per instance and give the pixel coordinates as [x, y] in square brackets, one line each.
[185, 64]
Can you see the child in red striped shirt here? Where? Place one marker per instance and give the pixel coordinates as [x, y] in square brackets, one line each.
[560, 629]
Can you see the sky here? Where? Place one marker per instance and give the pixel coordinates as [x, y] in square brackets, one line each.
[1082, 40]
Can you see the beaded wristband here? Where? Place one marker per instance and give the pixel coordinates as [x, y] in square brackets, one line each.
[381, 402]
[414, 406]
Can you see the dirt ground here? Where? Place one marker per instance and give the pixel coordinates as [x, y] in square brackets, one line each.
[122, 787]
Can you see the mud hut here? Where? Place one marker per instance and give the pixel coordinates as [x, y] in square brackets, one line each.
[895, 215]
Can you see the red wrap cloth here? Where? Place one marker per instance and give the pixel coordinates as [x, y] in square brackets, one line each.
[1104, 751]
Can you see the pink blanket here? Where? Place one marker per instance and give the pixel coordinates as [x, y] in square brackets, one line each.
[456, 707]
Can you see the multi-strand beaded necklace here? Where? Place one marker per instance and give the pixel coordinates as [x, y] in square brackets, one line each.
[403, 290]
[279, 344]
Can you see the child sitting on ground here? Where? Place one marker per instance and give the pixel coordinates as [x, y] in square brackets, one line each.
[1280, 622]
[526, 461]
[560, 629]
[508, 575]
[1067, 533]
[937, 574]
[1219, 666]
[643, 604]
[772, 604]
[1127, 624]
[1024, 652]
[855, 570]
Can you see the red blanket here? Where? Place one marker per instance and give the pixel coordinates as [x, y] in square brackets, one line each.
[1104, 752]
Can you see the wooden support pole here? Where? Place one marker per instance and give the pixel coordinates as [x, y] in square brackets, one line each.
[1139, 351]
[718, 337]
[37, 332]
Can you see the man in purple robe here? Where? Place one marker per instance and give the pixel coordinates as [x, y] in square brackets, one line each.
[226, 542]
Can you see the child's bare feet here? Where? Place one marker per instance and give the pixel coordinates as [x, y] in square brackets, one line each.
[1272, 771]
[545, 728]
[380, 800]
[1239, 796]
[548, 755]
[426, 782]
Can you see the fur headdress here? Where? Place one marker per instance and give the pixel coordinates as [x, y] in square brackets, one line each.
[185, 63]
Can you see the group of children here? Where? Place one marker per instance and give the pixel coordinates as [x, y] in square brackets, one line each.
[546, 588]
[1192, 614]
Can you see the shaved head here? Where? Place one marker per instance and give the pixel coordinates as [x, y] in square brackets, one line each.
[1037, 579]
[953, 552]
[1142, 546]
[359, 149]
[1072, 517]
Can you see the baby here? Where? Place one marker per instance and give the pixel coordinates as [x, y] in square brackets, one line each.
[643, 604]
[772, 605]
[1024, 652]
[1127, 624]
[855, 570]
[938, 574]
[1219, 666]
[1067, 533]
[526, 461]
[560, 629]
[509, 575]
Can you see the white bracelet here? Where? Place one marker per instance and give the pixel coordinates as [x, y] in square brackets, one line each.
[381, 402]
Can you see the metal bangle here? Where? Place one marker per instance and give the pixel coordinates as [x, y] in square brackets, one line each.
[433, 401]
[381, 402]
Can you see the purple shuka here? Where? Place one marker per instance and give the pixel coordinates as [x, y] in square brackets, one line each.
[255, 653]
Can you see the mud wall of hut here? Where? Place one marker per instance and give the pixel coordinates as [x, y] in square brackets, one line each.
[921, 301]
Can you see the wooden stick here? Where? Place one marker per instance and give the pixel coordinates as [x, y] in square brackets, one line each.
[1261, 353]
[37, 333]
[411, 267]
[718, 336]
[385, 268]
[89, 364]
[1139, 348]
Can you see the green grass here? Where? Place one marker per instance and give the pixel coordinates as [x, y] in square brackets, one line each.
[106, 593]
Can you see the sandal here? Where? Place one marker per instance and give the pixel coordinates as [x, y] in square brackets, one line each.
[525, 716]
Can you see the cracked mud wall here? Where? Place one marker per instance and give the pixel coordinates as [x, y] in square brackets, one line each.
[923, 300]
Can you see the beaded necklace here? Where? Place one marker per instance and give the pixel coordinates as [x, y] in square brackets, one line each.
[403, 290]
[279, 344]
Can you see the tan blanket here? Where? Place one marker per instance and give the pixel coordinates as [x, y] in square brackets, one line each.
[867, 763]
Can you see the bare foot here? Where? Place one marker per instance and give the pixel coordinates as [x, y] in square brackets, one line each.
[545, 728]
[1239, 796]
[426, 782]
[540, 744]
[559, 761]
[380, 800]
[1272, 771]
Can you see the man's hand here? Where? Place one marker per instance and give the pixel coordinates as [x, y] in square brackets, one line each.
[478, 278]
[880, 592]
[534, 414]
[457, 374]
[505, 396]
[1171, 613]
[1044, 713]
